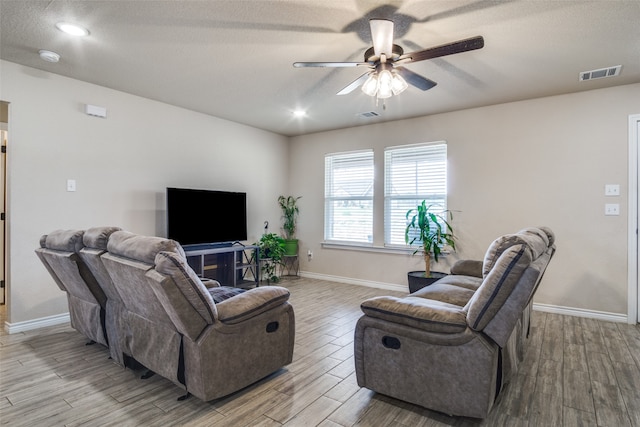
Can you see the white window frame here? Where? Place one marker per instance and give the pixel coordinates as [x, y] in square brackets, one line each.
[340, 233]
[432, 186]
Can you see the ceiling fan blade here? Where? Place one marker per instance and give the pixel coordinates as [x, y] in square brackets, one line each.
[329, 64]
[415, 79]
[354, 84]
[460, 46]
[382, 36]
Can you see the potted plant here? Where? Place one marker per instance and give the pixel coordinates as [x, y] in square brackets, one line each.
[290, 213]
[431, 231]
[271, 251]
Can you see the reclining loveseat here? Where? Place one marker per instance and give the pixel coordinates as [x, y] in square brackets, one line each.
[452, 346]
[210, 341]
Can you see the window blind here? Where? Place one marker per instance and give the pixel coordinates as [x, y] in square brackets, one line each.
[412, 173]
[348, 212]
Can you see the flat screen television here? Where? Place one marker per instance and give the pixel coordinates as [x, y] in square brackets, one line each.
[206, 216]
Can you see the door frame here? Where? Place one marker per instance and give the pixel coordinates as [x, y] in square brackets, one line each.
[633, 316]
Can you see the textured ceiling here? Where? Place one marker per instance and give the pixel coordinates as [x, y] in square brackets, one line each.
[233, 59]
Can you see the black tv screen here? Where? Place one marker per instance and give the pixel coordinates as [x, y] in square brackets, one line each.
[206, 216]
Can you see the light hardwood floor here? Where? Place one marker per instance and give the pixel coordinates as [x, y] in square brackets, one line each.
[577, 372]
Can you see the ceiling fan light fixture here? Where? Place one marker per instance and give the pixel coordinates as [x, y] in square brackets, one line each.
[370, 87]
[398, 84]
[385, 80]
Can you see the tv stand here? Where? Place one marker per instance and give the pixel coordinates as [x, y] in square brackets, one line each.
[229, 264]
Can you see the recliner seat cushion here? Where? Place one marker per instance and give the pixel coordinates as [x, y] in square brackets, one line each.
[450, 292]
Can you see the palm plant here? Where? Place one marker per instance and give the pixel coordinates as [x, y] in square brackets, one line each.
[433, 232]
[290, 213]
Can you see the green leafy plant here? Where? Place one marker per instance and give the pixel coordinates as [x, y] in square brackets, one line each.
[290, 213]
[430, 230]
[271, 251]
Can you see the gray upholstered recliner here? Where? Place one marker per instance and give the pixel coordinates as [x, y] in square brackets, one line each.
[177, 330]
[451, 346]
[95, 244]
[58, 252]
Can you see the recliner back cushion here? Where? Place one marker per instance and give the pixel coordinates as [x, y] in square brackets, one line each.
[63, 240]
[140, 248]
[98, 237]
[536, 243]
[175, 266]
[95, 244]
[498, 284]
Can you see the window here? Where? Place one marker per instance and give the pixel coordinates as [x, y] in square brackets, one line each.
[412, 173]
[348, 197]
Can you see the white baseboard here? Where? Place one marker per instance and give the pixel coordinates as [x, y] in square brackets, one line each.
[547, 308]
[59, 319]
[28, 325]
[352, 281]
[581, 312]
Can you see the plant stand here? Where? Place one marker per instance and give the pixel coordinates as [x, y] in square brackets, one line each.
[290, 267]
[417, 279]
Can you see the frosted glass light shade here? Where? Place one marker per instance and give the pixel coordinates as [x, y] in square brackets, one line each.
[398, 84]
[385, 80]
[370, 87]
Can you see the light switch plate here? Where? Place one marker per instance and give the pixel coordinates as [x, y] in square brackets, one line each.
[612, 190]
[612, 209]
[71, 185]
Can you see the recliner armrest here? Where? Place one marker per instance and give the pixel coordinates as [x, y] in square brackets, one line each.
[209, 283]
[467, 267]
[426, 314]
[251, 303]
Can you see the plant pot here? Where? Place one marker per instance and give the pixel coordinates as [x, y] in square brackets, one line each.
[417, 279]
[291, 247]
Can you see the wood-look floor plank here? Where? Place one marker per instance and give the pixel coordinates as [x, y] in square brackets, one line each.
[575, 372]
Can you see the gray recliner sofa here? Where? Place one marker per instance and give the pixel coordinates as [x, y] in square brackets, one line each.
[94, 246]
[211, 341]
[453, 345]
[177, 330]
[58, 252]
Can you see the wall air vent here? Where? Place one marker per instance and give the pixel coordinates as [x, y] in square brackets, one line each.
[367, 115]
[600, 73]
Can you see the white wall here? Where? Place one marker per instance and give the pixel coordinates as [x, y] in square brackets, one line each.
[537, 162]
[122, 165]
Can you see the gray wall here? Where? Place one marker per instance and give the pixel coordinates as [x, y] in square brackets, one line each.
[122, 165]
[542, 161]
[537, 162]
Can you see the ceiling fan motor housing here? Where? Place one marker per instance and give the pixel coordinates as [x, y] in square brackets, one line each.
[396, 52]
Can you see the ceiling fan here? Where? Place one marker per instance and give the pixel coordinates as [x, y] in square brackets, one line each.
[387, 77]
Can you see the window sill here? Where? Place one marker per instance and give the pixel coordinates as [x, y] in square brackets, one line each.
[363, 247]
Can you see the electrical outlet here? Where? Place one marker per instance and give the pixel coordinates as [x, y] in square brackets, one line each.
[309, 255]
[612, 209]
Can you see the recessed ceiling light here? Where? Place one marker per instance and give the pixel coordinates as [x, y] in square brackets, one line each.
[299, 113]
[73, 29]
[49, 56]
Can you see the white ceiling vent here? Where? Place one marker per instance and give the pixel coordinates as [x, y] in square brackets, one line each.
[600, 73]
[367, 115]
